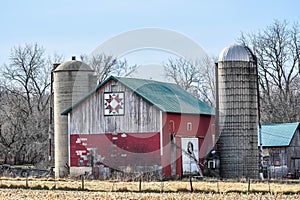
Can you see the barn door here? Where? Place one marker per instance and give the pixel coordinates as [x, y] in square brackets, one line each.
[189, 152]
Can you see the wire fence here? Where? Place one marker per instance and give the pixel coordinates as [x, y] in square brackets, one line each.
[185, 185]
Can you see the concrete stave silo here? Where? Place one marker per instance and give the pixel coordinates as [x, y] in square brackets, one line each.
[237, 113]
[72, 80]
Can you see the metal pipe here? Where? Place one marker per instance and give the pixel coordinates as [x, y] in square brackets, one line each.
[217, 134]
[260, 155]
[50, 129]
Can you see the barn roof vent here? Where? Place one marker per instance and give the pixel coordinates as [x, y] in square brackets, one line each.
[236, 53]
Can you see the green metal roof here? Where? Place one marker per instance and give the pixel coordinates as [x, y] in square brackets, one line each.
[167, 97]
[274, 135]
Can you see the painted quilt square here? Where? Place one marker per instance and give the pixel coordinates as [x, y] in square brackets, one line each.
[114, 103]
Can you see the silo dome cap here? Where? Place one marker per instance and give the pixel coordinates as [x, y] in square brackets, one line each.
[73, 65]
[236, 52]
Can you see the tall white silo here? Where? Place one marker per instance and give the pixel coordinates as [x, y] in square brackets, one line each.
[72, 80]
[238, 112]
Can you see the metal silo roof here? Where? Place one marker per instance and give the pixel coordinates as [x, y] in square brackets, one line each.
[73, 65]
[236, 53]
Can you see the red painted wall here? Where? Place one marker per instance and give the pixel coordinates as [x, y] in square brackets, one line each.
[202, 127]
[143, 149]
[136, 149]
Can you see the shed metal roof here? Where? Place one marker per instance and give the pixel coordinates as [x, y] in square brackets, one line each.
[278, 135]
[167, 97]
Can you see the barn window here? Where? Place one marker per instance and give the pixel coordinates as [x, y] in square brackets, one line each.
[276, 159]
[297, 164]
[171, 126]
[81, 161]
[189, 126]
[211, 164]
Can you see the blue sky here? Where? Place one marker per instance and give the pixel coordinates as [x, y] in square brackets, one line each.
[74, 27]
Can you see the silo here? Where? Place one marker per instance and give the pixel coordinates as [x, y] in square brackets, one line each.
[237, 104]
[72, 80]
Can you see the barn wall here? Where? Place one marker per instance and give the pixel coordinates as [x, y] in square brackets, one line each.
[139, 115]
[277, 161]
[88, 121]
[114, 150]
[293, 153]
[202, 127]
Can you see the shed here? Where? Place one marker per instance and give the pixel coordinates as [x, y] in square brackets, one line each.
[134, 125]
[281, 144]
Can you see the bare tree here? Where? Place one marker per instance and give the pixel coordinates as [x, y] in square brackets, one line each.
[102, 65]
[207, 86]
[28, 72]
[278, 51]
[123, 69]
[24, 105]
[196, 77]
[105, 66]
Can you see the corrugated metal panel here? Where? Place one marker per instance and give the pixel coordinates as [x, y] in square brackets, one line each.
[277, 135]
[236, 53]
[167, 97]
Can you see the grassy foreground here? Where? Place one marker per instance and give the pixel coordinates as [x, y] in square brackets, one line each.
[82, 195]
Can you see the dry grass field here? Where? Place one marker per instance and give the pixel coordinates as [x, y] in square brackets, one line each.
[16, 194]
[72, 189]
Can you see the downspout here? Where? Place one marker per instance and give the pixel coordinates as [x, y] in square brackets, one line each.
[69, 135]
[260, 155]
[51, 128]
[217, 129]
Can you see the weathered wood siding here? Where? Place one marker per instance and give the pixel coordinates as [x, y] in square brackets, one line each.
[139, 116]
[293, 153]
[288, 156]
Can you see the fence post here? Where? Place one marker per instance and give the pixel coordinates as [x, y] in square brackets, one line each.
[26, 180]
[191, 184]
[55, 187]
[140, 184]
[248, 185]
[82, 182]
[162, 186]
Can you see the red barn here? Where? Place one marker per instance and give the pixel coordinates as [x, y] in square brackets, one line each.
[138, 125]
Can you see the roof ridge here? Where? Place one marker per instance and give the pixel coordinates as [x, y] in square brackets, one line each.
[280, 123]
